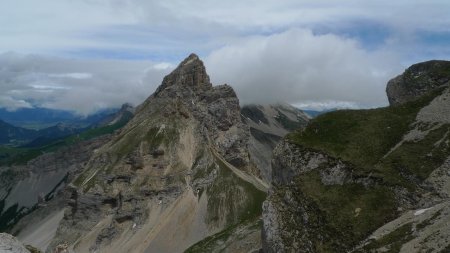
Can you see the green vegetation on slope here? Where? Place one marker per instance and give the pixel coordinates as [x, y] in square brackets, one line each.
[242, 200]
[392, 241]
[366, 140]
[364, 137]
[420, 158]
[349, 212]
[420, 74]
[233, 200]
[218, 242]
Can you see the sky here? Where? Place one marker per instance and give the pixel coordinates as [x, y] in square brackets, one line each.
[86, 55]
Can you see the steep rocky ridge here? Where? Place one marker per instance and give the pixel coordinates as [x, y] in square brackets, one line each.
[179, 171]
[367, 180]
[125, 114]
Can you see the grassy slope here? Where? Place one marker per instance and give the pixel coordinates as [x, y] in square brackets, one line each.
[341, 215]
[215, 243]
[238, 199]
[362, 138]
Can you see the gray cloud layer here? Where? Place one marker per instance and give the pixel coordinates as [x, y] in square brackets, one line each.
[74, 84]
[49, 26]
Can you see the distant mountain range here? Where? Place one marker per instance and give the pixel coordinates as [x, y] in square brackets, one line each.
[17, 136]
[315, 113]
[66, 124]
[9, 133]
[39, 118]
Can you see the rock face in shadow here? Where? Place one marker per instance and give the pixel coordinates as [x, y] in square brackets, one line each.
[367, 180]
[268, 125]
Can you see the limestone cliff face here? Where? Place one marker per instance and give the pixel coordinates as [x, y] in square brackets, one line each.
[368, 180]
[177, 172]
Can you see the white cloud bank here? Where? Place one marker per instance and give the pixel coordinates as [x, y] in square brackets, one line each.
[299, 67]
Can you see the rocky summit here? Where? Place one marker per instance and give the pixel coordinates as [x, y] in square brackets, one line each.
[417, 80]
[368, 180]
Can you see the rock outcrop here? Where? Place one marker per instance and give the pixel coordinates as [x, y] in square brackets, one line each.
[10, 244]
[368, 180]
[417, 80]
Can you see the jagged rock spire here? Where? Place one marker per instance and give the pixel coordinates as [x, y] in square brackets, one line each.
[190, 73]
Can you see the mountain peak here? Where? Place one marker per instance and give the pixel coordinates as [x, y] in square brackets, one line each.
[190, 72]
[191, 58]
[192, 63]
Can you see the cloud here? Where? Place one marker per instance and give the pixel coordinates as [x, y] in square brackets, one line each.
[324, 105]
[60, 83]
[167, 29]
[299, 51]
[297, 66]
[72, 75]
[12, 104]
